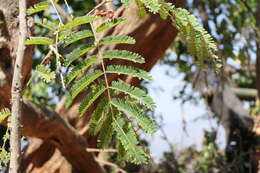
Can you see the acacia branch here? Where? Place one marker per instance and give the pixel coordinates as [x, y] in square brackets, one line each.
[46, 124]
[15, 139]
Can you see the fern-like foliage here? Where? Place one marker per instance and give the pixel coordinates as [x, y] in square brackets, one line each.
[38, 7]
[106, 131]
[132, 111]
[200, 44]
[45, 73]
[79, 21]
[120, 107]
[123, 54]
[76, 53]
[83, 83]
[77, 36]
[134, 92]
[90, 98]
[98, 117]
[80, 68]
[117, 39]
[126, 135]
[112, 117]
[152, 5]
[141, 11]
[45, 23]
[39, 40]
[111, 23]
[128, 70]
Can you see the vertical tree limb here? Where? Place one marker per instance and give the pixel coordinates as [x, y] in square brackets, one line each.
[15, 143]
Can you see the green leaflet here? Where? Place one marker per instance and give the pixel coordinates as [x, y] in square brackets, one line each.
[76, 53]
[39, 40]
[117, 39]
[164, 14]
[50, 25]
[82, 84]
[106, 132]
[146, 123]
[141, 11]
[121, 154]
[166, 6]
[134, 92]
[90, 98]
[200, 43]
[192, 41]
[128, 70]
[98, 117]
[81, 67]
[64, 34]
[79, 21]
[153, 5]
[123, 54]
[4, 113]
[111, 23]
[126, 136]
[38, 7]
[45, 73]
[77, 36]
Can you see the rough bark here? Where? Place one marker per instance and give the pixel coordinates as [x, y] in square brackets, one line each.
[15, 125]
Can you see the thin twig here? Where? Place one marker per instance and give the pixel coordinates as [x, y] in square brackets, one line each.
[99, 55]
[97, 150]
[47, 57]
[99, 5]
[54, 6]
[69, 9]
[63, 13]
[15, 138]
[58, 63]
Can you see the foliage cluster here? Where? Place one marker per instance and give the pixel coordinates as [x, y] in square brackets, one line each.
[119, 106]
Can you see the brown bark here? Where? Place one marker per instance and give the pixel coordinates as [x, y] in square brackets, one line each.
[15, 125]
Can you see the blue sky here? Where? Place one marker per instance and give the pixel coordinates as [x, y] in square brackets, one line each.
[173, 112]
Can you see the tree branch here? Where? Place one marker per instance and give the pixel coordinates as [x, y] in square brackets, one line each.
[15, 138]
[46, 124]
[249, 94]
